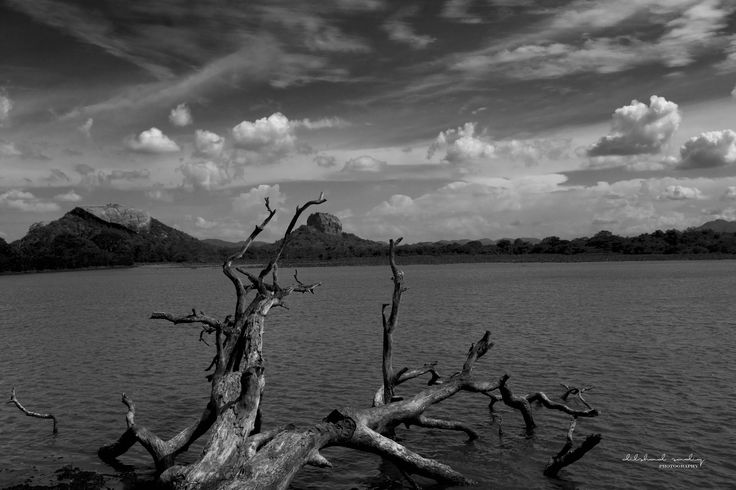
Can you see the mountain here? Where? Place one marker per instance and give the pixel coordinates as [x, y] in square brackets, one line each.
[322, 238]
[719, 226]
[108, 235]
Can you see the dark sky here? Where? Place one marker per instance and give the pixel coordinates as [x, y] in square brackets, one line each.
[432, 120]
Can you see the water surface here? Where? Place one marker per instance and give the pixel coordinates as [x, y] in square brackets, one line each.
[655, 338]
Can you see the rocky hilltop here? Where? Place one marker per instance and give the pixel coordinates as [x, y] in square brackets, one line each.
[108, 235]
[130, 218]
[325, 223]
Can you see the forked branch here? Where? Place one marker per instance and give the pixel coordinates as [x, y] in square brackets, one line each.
[287, 234]
[14, 400]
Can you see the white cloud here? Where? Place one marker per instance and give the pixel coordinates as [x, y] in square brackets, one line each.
[461, 145]
[160, 195]
[364, 163]
[70, 196]
[208, 144]
[6, 105]
[117, 179]
[204, 224]
[539, 206]
[639, 129]
[20, 200]
[680, 193]
[9, 149]
[273, 134]
[729, 194]
[709, 149]
[251, 204]
[270, 139]
[204, 175]
[573, 39]
[86, 128]
[180, 116]
[152, 141]
[324, 123]
[400, 31]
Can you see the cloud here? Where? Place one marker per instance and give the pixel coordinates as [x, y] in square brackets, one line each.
[56, 175]
[532, 151]
[326, 161]
[458, 11]
[251, 204]
[24, 152]
[26, 202]
[152, 141]
[461, 145]
[729, 194]
[269, 139]
[204, 224]
[680, 193]
[639, 129]
[206, 175]
[9, 149]
[70, 196]
[180, 116]
[208, 144]
[6, 105]
[326, 122]
[538, 206]
[110, 178]
[83, 169]
[273, 134]
[573, 39]
[86, 128]
[160, 195]
[400, 31]
[709, 149]
[364, 163]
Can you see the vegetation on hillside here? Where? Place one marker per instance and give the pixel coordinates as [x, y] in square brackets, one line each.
[78, 240]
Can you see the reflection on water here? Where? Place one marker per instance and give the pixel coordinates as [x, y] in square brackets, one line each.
[654, 338]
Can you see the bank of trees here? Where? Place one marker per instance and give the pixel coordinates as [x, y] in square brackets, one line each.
[670, 242]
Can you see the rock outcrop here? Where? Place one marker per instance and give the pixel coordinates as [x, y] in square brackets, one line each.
[326, 223]
[132, 219]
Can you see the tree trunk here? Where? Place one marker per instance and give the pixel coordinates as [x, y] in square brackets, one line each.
[238, 455]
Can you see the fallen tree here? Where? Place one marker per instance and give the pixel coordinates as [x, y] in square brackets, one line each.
[239, 454]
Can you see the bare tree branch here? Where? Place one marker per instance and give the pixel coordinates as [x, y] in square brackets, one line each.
[240, 290]
[389, 325]
[287, 233]
[436, 423]
[567, 456]
[369, 440]
[14, 400]
[193, 317]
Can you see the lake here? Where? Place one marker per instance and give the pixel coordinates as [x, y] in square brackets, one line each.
[656, 339]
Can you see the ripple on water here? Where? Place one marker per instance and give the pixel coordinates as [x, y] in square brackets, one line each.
[654, 338]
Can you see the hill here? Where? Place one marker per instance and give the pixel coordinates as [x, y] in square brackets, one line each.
[719, 226]
[103, 236]
[114, 235]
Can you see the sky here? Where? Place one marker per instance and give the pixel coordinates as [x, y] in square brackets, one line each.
[431, 120]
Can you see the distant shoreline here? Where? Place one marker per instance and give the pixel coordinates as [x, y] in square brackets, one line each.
[487, 258]
[418, 260]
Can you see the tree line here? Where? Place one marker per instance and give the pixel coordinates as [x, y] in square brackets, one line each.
[117, 247]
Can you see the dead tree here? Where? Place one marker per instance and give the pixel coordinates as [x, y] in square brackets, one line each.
[238, 454]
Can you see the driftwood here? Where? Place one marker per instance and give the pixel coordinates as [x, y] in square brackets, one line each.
[238, 454]
[14, 400]
[567, 454]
